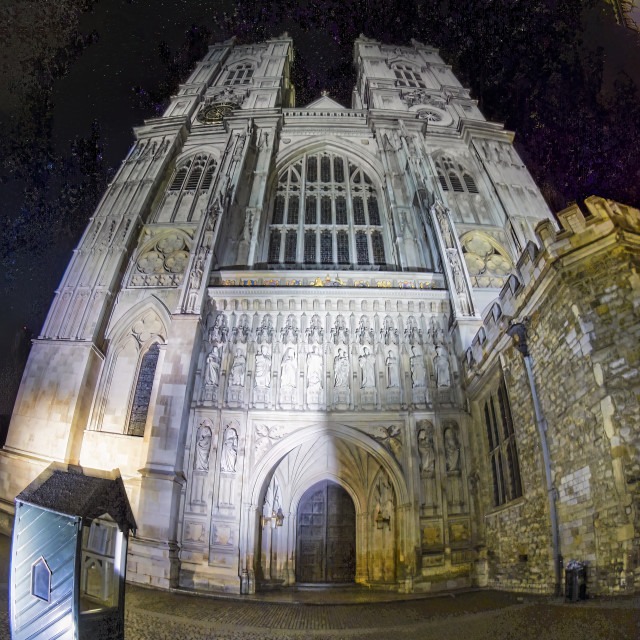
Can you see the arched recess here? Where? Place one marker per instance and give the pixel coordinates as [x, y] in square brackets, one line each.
[310, 455]
[131, 338]
[353, 230]
[488, 261]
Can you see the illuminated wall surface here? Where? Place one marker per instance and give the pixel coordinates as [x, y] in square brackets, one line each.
[287, 328]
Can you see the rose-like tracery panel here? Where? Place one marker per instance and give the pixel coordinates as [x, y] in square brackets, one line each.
[488, 263]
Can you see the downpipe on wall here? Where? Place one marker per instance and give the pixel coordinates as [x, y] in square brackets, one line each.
[518, 332]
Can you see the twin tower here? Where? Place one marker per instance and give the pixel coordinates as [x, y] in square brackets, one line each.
[263, 327]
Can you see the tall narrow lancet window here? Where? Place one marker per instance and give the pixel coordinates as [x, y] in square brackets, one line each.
[503, 456]
[142, 393]
[327, 211]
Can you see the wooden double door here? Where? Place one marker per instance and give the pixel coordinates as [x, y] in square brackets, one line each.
[326, 535]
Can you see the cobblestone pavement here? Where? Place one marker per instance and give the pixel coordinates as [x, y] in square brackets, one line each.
[160, 615]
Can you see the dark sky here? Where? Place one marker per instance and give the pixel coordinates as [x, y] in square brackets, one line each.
[77, 75]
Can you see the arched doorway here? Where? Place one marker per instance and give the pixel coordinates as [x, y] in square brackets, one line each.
[326, 535]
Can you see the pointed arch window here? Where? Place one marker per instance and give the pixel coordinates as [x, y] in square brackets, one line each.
[196, 174]
[503, 455]
[324, 217]
[142, 393]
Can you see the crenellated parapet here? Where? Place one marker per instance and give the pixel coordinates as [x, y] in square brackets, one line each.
[606, 225]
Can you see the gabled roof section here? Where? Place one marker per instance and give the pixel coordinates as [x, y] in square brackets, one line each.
[88, 493]
[325, 102]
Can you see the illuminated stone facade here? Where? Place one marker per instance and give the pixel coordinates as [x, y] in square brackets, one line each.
[265, 327]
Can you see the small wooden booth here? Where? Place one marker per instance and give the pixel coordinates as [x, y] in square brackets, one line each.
[69, 555]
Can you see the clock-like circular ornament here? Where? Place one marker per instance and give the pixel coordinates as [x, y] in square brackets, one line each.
[215, 112]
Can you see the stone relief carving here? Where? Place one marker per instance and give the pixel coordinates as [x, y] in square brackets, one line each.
[238, 368]
[266, 436]
[488, 266]
[364, 332]
[339, 331]
[229, 450]
[391, 439]
[314, 332]
[147, 326]
[420, 96]
[162, 263]
[456, 269]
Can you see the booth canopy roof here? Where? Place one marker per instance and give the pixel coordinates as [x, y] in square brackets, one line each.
[88, 493]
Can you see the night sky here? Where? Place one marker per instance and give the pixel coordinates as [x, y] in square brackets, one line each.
[77, 75]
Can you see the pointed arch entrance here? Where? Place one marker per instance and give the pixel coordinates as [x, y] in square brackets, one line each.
[326, 535]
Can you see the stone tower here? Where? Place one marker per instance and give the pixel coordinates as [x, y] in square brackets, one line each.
[263, 323]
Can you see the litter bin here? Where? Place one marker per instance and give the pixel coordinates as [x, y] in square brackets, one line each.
[575, 581]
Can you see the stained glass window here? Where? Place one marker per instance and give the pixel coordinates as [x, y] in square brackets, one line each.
[142, 393]
[309, 247]
[362, 248]
[353, 235]
[325, 210]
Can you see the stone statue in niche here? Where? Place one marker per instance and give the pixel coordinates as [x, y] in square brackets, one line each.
[441, 365]
[203, 448]
[218, 333]
[391, 362]
[263, 367]
[341, 370]
[456, 268]
[443, 223]
[236, 375]
[451, 449]
[436, 334]
[367, 367]
[426, 448]
[339, 331]
[314, 368]
[418, 373]
[212, 370]
[288, 368]
[229, 450]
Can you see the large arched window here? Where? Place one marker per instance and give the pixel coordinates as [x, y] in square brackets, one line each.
[326, 211]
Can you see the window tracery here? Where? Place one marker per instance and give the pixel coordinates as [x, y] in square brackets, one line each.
[321, 216]
[239, 74]
[454, 177]
[407, 76]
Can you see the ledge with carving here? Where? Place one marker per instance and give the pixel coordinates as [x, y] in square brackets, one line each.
[319, 278]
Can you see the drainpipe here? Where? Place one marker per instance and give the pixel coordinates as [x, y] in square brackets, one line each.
[518, 331]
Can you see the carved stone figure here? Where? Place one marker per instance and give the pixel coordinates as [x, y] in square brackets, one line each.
[289, 368]
[341, 369]
[314, 368]
[367, 366]
[391, 438]
[451, 449]
[195, 279]
[212, 371]
[203, 448]
[456, 268]
[441, 364]
[263, 367]
[229, 450]
[417, 369]
[236, 375]
[435, 332]
[443, 223]
[426, 448]
[391, 362]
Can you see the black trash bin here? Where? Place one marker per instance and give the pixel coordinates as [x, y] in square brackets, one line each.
[575, 581]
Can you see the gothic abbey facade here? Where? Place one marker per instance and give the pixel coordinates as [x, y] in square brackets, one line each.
[304, 336]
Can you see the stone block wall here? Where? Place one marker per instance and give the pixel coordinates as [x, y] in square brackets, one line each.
[580, 301]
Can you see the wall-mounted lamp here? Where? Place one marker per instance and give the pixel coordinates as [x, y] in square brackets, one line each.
[382, 520]
[276, 519]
